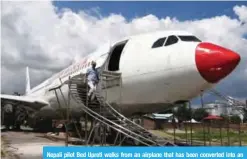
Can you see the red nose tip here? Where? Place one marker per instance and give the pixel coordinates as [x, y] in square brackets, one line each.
[215, 62]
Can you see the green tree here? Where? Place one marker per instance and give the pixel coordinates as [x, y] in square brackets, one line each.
[16, 93]
[199, 114]
[167, 111]
[183, 113]
[225, 117]
[245, 116]
[235, 119]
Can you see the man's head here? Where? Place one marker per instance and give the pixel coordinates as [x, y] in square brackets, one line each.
[93, 64]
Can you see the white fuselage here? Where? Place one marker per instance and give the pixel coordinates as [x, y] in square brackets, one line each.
[152, 78]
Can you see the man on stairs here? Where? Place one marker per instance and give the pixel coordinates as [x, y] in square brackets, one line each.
[92, 80]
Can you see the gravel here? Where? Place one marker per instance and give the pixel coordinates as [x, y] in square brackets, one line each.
[24, 145]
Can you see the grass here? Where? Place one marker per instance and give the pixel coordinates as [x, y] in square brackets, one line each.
[214, 136]
[161, 133]
[3, 154]
[3, 151]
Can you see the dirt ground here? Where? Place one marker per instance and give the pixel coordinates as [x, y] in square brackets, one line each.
[24, 145]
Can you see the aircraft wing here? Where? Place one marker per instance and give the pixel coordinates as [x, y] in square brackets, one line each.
[31, 102]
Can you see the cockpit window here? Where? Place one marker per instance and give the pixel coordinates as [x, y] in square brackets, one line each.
[159, 42]
[189, 38]
[171, 40]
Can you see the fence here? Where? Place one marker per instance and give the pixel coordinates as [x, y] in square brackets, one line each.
[208, 134]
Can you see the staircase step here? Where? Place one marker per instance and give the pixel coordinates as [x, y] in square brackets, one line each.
[101, 108]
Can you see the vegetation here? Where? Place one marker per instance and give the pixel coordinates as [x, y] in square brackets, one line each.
[235, 119]
[2, 153]
[199, 114]
[214, 136]
[168, 111]
[245, 115]
[183, 113]
[16, 93]
[225, 117]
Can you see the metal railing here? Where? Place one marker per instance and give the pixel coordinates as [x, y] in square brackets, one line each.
[121, 124]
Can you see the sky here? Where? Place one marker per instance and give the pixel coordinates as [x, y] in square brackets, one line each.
[181, 10]
[35, 33]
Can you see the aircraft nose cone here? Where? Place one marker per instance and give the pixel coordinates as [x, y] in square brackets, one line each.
[215, 62]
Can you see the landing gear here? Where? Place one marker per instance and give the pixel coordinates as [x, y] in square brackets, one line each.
[13, 116]
[8, 116]
[43, 125]
[8, 120]
[20, 116]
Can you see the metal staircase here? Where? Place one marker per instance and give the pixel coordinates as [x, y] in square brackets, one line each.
[231, 101]
[107, 115]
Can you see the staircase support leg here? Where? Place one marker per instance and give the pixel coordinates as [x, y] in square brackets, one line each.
[122, 141]
[115, 141]
[90, 134]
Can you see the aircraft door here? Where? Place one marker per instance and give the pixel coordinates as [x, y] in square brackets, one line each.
[115, 57]
[113, 88]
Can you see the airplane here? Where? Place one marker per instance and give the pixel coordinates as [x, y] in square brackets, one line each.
[157, 69]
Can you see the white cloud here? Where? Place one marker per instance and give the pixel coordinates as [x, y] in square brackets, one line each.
[38, 35]
[241, 11]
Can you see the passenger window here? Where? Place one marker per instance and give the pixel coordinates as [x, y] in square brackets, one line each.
[171, 40]
[159, 42]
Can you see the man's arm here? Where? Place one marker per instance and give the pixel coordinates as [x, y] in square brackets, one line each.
[86, 75]
[87, 72]
[98, 75]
